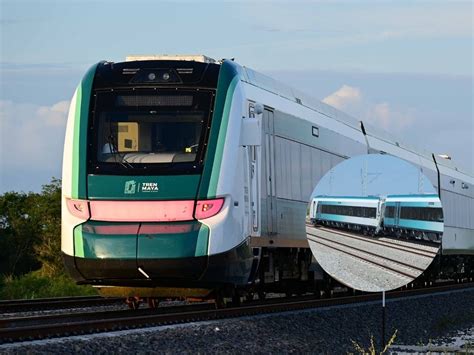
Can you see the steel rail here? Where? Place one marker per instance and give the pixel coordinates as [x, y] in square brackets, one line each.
[407, 265]
[407, 248]
[55, 303]
[359, 257]
[134, 320]
[91, 315]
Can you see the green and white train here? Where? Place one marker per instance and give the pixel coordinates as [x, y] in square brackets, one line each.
[183, 175]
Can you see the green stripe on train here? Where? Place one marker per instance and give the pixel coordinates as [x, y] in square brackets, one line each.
[221, 140]
[79, 148]
[78, 242]
[190, 243]
[225, 90]
[118, 187]
[104, 240]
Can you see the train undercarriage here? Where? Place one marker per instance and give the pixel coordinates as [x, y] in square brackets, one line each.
[289, 272]
[404, 233]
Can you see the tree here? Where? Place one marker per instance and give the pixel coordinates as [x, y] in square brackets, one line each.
[48, 250]
[18, 234]
[30, 231]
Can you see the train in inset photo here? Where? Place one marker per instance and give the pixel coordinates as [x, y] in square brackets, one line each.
[417, 217]
[375, 223]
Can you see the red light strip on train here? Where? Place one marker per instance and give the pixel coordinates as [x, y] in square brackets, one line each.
[144, 211]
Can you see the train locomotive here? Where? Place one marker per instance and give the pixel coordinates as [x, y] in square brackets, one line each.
[184, 176]
[411, 216]
[361, 214]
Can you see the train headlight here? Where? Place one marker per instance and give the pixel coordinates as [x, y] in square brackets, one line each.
[208, 208]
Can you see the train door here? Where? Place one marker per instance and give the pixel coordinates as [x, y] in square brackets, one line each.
[253, 154]
[269, 171]
[397, 214]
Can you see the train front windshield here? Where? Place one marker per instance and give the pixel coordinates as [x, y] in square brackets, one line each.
[150, 130]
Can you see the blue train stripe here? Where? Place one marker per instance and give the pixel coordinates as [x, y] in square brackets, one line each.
[414, 204]
[347, 219]
[415, 224]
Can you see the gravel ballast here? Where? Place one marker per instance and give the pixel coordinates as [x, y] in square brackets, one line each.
[419, 321]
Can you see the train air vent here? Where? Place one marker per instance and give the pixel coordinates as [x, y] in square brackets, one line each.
[129, 71]
[185, 70]
[148, 100]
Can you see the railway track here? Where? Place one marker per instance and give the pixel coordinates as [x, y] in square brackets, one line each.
[383, 262]
[20, 329]
[405, 261]
[419, 248]
[56, 303]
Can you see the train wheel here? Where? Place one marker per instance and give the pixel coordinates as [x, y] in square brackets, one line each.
[236, 301]
[153, 303]
[133, 302]
[220, 298]
[261, 295]
[221, 302]
[249, 296]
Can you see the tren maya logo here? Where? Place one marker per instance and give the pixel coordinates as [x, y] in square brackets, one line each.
[131, 187]
[150, 187]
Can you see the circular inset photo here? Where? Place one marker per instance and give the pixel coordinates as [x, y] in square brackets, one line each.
[374, 222]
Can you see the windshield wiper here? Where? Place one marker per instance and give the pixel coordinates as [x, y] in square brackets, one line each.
[116, 153]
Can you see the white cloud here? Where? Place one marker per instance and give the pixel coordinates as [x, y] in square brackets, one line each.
[31, 135]
[54, 115]
[383, 115]
[389, 118]
[345, 96]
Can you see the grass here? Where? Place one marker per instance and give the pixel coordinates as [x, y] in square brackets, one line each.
[372, 349]
[35, 285]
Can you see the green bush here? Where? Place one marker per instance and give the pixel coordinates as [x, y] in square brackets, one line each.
[34, 285]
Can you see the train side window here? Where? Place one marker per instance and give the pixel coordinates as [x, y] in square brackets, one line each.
[315, 131]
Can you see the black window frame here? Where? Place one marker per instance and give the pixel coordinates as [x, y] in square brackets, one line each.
[430, 214]
[350, 211]
[94, 166]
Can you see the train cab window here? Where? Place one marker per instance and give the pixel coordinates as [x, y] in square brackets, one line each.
[149, 129]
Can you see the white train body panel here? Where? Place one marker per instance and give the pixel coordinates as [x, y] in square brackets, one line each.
[301, 160]
[266, 184]
[69, 221]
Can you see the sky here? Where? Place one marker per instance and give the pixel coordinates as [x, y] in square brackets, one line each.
[380, 175]
[404, 66]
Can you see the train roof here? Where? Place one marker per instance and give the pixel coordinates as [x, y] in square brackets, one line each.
[178, 57]
[321, 197]
[413, 198]
[414, 195]
[267, 83]
[276, 87]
